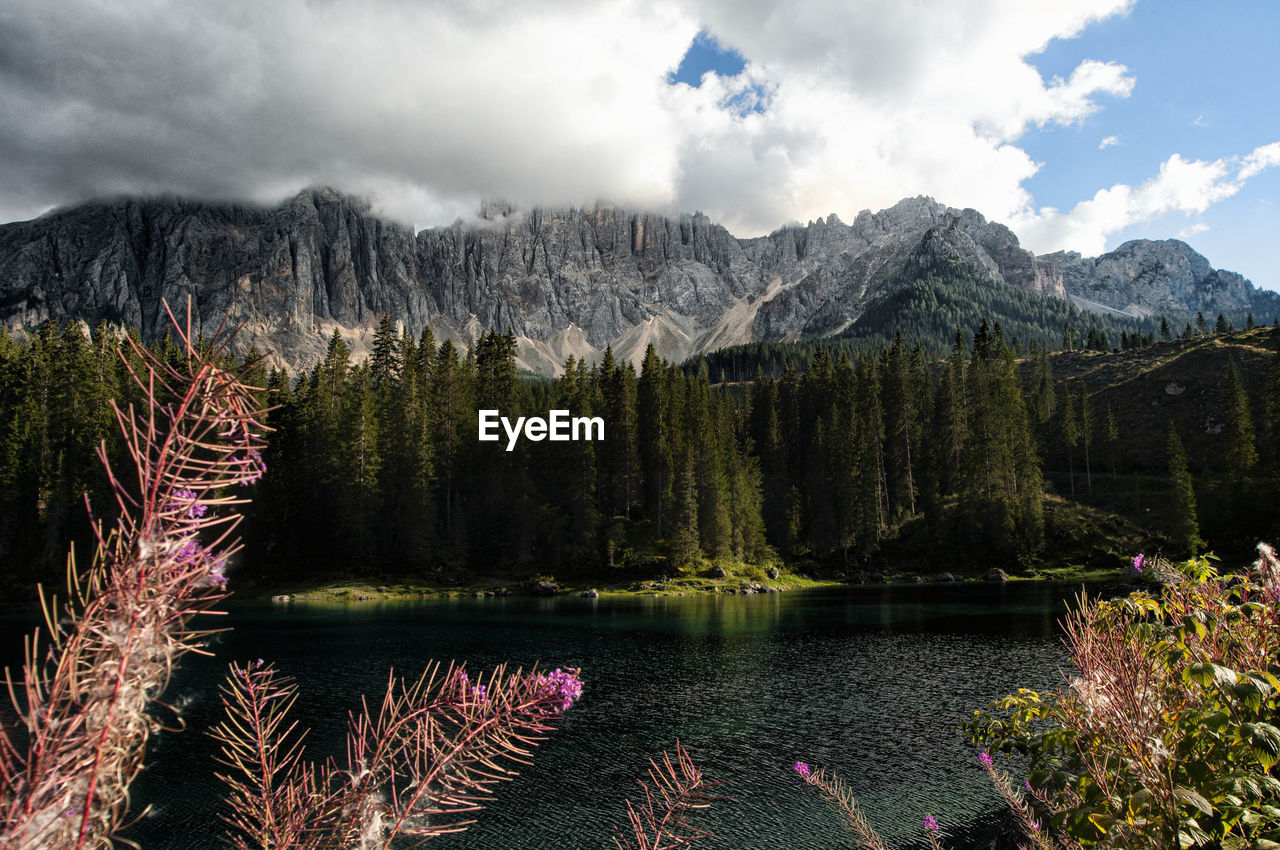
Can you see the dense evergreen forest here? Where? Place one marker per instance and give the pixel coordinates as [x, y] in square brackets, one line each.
[826, 460]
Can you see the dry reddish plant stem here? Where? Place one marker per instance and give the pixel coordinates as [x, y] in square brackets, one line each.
[82, 702]
[433, 751]
[676, 789]
[834, 790]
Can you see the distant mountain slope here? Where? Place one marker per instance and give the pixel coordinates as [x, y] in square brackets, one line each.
[1143, 278]
[564, 282]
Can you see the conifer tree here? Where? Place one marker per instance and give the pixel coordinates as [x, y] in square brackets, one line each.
[1086, 432]
[705, 444]
[953, 402]
[1242, 453]
[572, 473]
[448, 420]
[385, 362]
[771, 449]
[652, 426]
[900, 416]
[1112, 436]
[358, 470]
[1271, 402]
[1070, 435]
[871, 500]
[745, 490]
[684, 543]
[1184, 525]
[619, 464]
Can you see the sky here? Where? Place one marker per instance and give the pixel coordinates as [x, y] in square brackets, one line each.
[1079, 123]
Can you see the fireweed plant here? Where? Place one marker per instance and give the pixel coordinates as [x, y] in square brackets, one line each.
[1166, 736]
[429, 754]
[85, 698]
[675, 791]
[425, 756]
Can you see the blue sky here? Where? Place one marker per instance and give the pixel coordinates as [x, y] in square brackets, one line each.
[1079, 123]
[1208, 86]
[704, 55]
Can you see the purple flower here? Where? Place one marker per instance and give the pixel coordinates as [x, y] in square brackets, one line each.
[190, 551]
[1027, 783]
[194, 509]
[931, 824]
[984, 759]
[563, 684]
[479, 693]
[802, 769]
[1137, 562]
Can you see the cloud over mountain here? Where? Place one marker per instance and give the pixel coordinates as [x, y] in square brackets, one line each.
[432, 107]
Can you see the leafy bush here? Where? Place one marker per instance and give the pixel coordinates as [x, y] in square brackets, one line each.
[1167, 736]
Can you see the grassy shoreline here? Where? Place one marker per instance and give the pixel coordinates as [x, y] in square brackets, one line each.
[352, 589]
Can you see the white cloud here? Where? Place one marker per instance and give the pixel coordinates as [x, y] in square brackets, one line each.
[1261, 159]
[1107, 142]
[877, 100]
[432, 106]
[1182, 186]
[1193, 230]
[1199, 121]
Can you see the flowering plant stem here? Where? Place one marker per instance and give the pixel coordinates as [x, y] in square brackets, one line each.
[432, 751]
[83, 700]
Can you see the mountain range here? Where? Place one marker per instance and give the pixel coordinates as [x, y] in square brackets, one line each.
[563, 281]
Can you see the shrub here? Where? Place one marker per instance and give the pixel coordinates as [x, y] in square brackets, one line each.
[1167, 735]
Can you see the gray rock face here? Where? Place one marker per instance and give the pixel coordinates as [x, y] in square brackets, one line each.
[1145, 277]
[564, 282]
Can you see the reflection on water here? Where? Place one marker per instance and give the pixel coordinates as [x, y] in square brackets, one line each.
[868, 681]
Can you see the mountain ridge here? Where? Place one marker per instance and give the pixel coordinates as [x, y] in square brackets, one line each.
[563, 281]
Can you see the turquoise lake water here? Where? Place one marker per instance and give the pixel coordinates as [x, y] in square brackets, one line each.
[870, 682]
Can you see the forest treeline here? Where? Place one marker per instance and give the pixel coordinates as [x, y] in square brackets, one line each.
[375, 467]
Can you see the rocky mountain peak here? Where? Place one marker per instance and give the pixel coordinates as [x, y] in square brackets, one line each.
[1144, 277]
[564, 281]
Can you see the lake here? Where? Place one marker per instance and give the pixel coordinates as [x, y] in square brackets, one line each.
[870, 682]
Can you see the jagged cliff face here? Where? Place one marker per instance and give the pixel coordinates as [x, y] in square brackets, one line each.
[1144, 278]
[565, 282]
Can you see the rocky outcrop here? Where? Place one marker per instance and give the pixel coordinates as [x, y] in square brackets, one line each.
[564, 282]
[1145, 277]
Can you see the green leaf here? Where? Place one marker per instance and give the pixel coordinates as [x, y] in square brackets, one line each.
[1264, 742]
[1139, 803]
[1248, 693]
[1204, 673]
[1217, 721]
[1101, 821]
[1188, 797]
